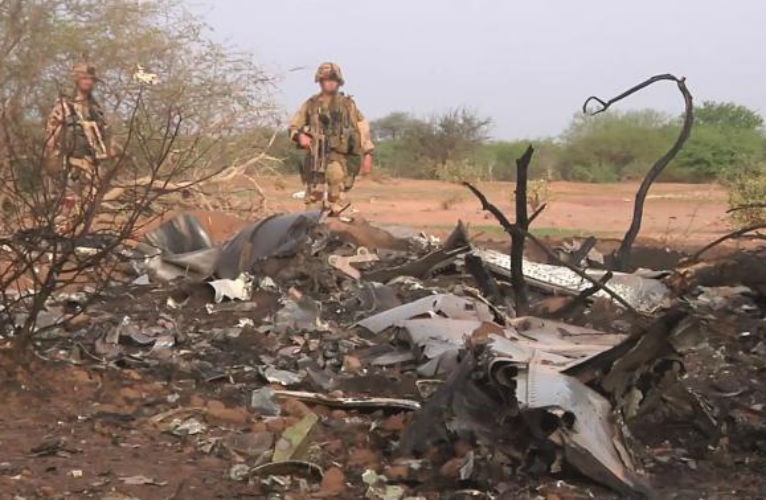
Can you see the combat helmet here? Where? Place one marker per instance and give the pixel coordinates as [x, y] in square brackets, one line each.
[329, 71]
[84, 70]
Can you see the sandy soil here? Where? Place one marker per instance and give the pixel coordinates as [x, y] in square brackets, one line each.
[676, 214]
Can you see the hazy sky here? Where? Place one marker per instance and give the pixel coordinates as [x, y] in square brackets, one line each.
[527, 64]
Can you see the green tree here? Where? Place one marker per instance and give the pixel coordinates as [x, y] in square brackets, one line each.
[445, 138]
[725, 138]
[393, 127]
[727, 115]
[613, 146]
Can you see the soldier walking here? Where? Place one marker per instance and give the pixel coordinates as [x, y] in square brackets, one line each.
[77, 136]
[330, 127]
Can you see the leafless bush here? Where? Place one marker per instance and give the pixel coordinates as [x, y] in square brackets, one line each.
[181, 139]
[747, 195]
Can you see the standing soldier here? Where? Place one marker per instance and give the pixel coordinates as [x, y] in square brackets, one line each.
[76, 139]
[330, 127]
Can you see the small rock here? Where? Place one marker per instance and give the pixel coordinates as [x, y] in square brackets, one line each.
[278, 425]
[338, 415]
[363, 457]
[196, 401]
[451, 468]
[397, 472]
[394, 423]
[352, 364]
[47, 491]
[297, 408]
[77, 322]
[130, 393]
[217, 410]
[333, 483]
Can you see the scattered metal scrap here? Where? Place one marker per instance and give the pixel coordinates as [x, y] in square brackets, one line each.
[349, 402]
[643, 293]
[407, 350]
[343, 263]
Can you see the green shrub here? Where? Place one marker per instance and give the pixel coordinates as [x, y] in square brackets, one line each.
[747, 187]
[598, 173]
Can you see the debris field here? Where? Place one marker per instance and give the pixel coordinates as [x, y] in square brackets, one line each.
[308, 357]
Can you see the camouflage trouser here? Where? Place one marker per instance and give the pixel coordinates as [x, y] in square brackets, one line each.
[338, 181]
[74, 187]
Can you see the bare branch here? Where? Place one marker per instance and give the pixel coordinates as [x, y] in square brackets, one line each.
[622, 255]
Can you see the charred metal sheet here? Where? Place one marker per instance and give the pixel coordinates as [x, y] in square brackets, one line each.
[371, 298]
[447, 305]
[644, 294]
[591, 440]
[393, 358]
[276, 236]
[350, 402]
[551, 331]
[564, 339]
[517, 351]
[418, 268]
[453, 331]
[200, 263]
[299, 313]
[620, 362]
[288, 468]
[436, 341]
[179, 235]
[179, 247]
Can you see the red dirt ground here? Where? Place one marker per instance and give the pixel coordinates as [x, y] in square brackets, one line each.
[675, 214]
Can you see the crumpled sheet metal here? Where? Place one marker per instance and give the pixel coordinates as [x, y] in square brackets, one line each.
[520, 351]
[451, 306]
[182, 234]
[453, 331]
[644, 294]
[350, 402]
[439, 339]
[593, 443]
[237, 289]
[562, 338]
[276, 236]
[200, 264]
[181, 247]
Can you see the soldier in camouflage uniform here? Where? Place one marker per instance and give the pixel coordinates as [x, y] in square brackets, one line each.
[77, 136]
[332, 129]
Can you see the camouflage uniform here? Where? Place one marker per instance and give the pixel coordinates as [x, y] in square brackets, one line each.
[338, 130]
[76, 138]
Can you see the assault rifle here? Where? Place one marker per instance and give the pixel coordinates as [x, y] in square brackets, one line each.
[315, 163]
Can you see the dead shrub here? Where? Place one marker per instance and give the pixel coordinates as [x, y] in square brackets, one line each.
[451, 200]
[747, 196]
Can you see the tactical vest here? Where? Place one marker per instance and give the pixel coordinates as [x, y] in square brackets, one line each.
[76, 143]
[335, 120]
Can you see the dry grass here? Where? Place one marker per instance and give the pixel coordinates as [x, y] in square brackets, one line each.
[451, 200]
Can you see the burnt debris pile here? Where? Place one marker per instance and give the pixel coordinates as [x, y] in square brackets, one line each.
[329, 358]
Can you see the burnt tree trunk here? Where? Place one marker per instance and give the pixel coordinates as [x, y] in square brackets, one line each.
[518, 237]
[622, 255]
